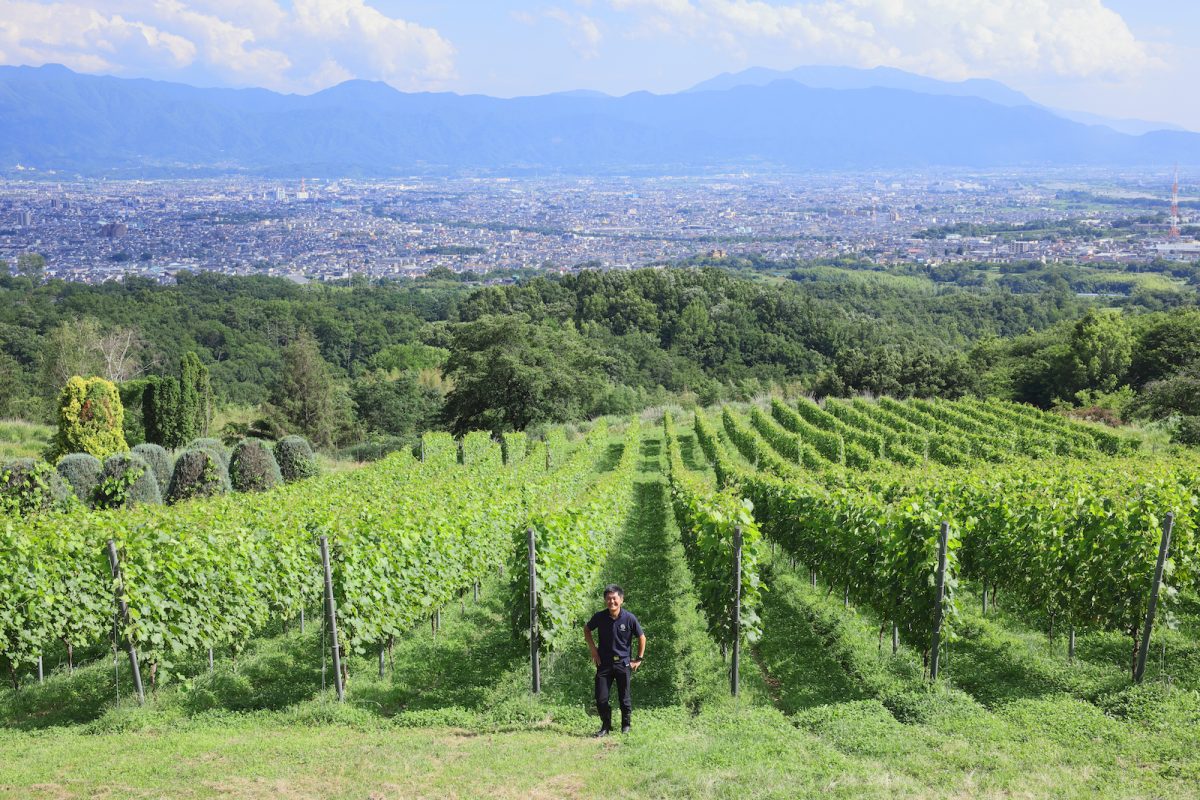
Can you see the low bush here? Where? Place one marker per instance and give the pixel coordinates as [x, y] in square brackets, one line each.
[81, 471]
[29, 487]
[253, 468]
[198, 473]
[126, 481]
[295, 458]
[214, 446]
[158, 459]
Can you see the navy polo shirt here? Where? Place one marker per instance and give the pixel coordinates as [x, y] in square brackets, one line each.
[616, 635]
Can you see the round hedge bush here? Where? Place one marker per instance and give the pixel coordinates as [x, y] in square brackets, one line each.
[198, 473]
[127, 481]
[81, 471]
[158, 459]
[295, 458]
[28, 487]
[214, 446]
[253, 467]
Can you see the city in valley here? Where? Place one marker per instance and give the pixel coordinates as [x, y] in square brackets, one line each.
[93, 231]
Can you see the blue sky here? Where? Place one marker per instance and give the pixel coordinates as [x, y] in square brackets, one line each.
[1115, 57]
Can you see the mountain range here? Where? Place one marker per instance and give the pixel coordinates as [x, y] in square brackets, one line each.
[820, 77]
[53, 119]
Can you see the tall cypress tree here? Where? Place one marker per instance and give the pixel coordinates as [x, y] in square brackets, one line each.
[188, 417]
[166, 413]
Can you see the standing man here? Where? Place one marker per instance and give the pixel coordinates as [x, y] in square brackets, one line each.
[617, 629]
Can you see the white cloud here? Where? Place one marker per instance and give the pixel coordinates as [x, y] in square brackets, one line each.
[303, 46]
[583, 32]
[951, 39]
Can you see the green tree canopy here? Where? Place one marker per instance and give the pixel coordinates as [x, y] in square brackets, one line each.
[509, 373]
[1101, 351]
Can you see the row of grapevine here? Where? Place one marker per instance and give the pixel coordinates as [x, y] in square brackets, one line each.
[854, 419]
[883, 554]
[403, 554]
[707, 518]
[872, 445]
[1074, 542]
[788, 444]
[752, 447]
[405, 536]
[573, 526]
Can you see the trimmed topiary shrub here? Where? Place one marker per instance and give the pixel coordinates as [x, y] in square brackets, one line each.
[253, 468]
[198, 473]
[90, 419]
[214, 446]
[158, 459]
[81, 471]
[295, 458]
[127, 481]
[30, 487]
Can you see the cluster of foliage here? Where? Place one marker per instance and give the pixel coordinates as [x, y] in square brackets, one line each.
[90, 419]
[82, 472]
[127, 481]
[28, 486]
[1137, 366]
[170, 410]
[199, 472]
[253, 468]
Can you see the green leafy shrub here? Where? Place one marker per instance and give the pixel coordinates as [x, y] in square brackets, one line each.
[158, 459]
[198, 473]
[253, 468]
[215, 447]
[28, 487]
[295, 458]
[81, 471]
[126, 481]
[90, 419]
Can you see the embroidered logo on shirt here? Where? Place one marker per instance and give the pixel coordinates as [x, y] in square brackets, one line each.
[622, 626]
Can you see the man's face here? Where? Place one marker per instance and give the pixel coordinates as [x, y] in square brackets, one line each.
[613, 601]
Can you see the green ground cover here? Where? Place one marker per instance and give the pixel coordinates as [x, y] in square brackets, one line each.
[21, 439]
[826, 708]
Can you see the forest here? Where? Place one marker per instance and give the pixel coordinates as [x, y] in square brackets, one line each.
[367, 362]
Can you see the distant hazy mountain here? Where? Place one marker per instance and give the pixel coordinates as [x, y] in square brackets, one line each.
[889, 78]
[877, 78]
[52, 118]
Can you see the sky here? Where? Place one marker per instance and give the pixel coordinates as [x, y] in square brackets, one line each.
[1119, 58]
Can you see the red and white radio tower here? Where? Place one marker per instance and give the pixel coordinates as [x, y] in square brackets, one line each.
[1174, 234]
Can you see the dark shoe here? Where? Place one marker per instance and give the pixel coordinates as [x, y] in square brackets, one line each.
[600, 733]
[624, 729]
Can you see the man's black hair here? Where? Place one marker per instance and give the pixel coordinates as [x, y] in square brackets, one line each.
[612, 588]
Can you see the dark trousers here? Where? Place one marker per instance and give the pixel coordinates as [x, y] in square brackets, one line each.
[606, 676]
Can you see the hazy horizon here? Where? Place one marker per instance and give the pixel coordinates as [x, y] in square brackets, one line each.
[1118, 58]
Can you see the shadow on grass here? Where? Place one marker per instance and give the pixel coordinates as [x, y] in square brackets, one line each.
[690, 452]
[456, 668]
[802, 671]
[611, 457]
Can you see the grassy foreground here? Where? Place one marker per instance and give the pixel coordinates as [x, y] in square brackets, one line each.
[825, 711]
